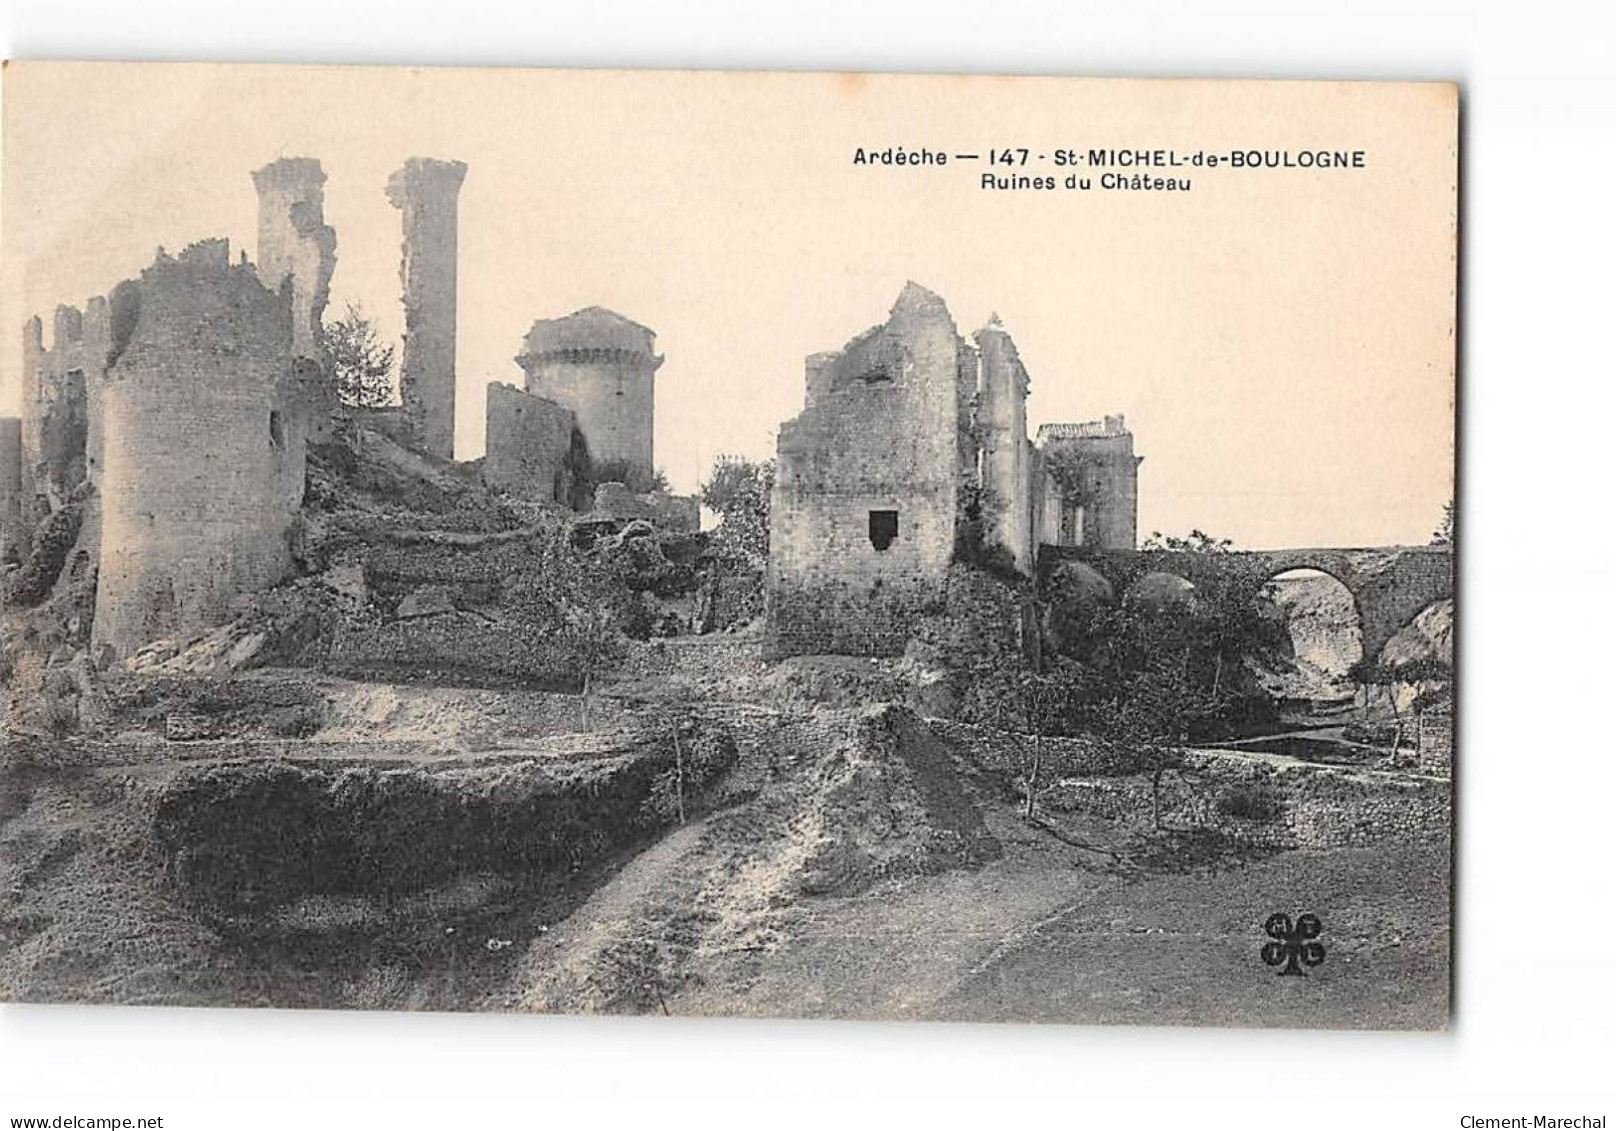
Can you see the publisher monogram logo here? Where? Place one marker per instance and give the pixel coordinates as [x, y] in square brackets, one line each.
[1293, 944]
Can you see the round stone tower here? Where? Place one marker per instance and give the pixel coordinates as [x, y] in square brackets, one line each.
[202, 448]
[602, 366]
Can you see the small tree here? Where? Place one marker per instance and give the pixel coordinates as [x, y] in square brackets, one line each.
[738, 490]
[1443, 534]
[1033, 705]
[1149, 722]
[1387, 676]
[572, 598]
[361, 365]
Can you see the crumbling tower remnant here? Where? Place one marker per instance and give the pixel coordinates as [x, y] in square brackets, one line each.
[295, 245]
[60, 429]
[603, 367]
[1005, 457]
[203, 447]
[427, 192]
[1091, 486]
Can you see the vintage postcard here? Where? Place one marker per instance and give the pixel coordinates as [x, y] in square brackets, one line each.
[728, 544]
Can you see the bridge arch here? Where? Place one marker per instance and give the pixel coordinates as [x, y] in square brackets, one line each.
[1390, 585]
[1322, 628]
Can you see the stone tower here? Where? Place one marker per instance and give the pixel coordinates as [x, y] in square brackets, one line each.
[427, 192]
[295, 245]
[602, 366]
[203, 447]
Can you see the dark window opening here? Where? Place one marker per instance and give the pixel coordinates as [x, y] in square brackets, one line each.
[880, 375]
[883, 529]
[276, 435]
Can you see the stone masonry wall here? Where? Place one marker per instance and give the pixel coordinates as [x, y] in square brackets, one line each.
[882, 437]
[670, 513]
[1001, 426]
[528, 441]
[61, 427]
[203, 449]
[1101, 509]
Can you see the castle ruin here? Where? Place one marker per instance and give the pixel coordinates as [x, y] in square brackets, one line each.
[911, 453]
[160, 455]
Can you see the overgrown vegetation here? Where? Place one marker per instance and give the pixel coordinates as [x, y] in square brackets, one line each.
[1433, 676]
[53, 540]
[973, 542]
[737, 490]
[1195, 542]
[1443, 534]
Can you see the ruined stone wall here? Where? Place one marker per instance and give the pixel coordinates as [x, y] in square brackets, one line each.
[427, 192]
[61, 425]
[203, 467]
[1001, 429]
[296, 247]
[602, 366]
[816, 377]
[1303, 805]
[528, 441]
[297, 253]
[1101, 508]
[671, 513]
[883, 440]
[10, 487]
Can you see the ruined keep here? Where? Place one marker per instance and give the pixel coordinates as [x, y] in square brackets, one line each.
[204, 432]
[602, 367]
[1091, 485]
[863, 516]
[427, 192]
[910, 454]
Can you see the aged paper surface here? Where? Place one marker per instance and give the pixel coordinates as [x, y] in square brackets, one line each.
[942, 547]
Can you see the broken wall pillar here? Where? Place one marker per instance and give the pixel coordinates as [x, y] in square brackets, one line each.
[297, 253]
[427, 192]
[1005, 468]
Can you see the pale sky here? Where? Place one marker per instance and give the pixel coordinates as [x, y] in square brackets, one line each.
[1280, 340]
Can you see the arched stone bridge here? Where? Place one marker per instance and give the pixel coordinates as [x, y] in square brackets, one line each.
[1390, 585]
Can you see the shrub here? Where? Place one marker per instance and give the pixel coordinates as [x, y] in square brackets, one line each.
[1250, 801]
[53, 539]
